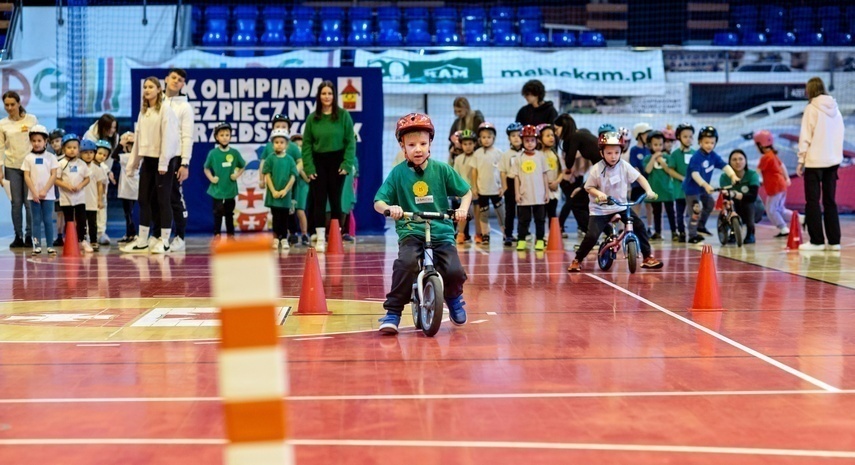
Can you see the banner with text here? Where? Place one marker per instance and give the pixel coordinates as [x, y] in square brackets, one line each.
[248, 99]
[39, 83]
[582, 72]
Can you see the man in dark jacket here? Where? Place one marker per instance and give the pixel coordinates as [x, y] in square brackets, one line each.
[537, 111]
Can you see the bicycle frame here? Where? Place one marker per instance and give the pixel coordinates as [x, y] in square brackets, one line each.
[627, 234]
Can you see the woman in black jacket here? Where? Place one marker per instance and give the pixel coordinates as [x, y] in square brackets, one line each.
[537, 111]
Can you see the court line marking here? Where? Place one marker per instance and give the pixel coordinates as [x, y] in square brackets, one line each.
[721, 337]
[447, 444]
[409, 397]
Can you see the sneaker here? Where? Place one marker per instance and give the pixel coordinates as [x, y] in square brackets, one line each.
[58, 242]
[314, 237]
[28, 241]
[521, 245]
[575, 267]
[17, 243]
[456, 310]
[348, 238]
[508, 242]
[478, 239]
[539, 245]
[695, 239]
[86, 246]
[675, 237]
[124, 240]
[834, 247]
[389, 323]
[177, 244]
[651, 263]
[293, 239]
[704, 231]
[581, 234]
[811, 246]
[656, 237]
[96, 246]
[275, 244]
[460, 238]
[37, 250]
[283, 243]
[51, 251]
[485, 239]
[160, 247]
[682, 238]
[305, 240]
[749, 239]
[135, 247]
[564, 235]
[152, 241]
[321, 246]
[104, 239]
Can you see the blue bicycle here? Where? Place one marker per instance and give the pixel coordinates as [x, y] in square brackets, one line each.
[613, 242]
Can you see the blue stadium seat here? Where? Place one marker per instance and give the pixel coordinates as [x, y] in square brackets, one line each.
[389, 26]
[725, 39]
[196, 17]
[216, 27]
[246, 18]
[474, 21]
[502, 26]
[810, 39]
[803, 19]
[783, 38]
[774, 18]
[745, 18]
[530, 19]
[850, 18]
[303, 19]
[331, 25]
[445, 26]
[418, 33]
[829, 20]
[840, 39]
[535, 39]
[592, 39]
[274, 28]
[564, 39]
[360, 26]
[754, 38]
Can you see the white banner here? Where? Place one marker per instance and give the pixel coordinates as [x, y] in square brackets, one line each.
[583, 72]
[38, 83]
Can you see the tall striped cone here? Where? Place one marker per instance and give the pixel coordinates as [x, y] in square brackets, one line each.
[556, 244]
[252, 376]
[334, 245]
[707, 297]
[794, 240]
[71, 247]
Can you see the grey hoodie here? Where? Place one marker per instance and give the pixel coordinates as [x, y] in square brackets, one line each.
[821, 136]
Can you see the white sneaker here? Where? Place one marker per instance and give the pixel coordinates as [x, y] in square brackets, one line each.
[104, 239]
[152, 241]
[815, 247]
[275, 244]
[160, 248]
[834, 247]
[177, 244]
[785, 231]
[313, 237]
[87, 247]
[135, 247]
[321, 246]
[284, 244]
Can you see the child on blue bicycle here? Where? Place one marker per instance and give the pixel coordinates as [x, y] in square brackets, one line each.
[422, 186]
[611, 177]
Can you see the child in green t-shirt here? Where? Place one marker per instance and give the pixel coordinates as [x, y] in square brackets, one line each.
[223, 167]
[655, 166]
[420, 185]
[300, 191]
[678, 166]
[279, 173]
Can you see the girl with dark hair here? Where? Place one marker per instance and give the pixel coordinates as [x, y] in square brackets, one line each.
[329, 154]
[465, 118]
[14, 147]
[105, 128]
[573, 141]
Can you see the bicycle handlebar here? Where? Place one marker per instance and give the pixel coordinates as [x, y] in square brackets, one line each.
[448, 215]
[614, 201]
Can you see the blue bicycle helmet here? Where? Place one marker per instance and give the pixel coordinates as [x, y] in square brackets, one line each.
[70, 137]
[513, 127]
[87, 145]
[103, 144]
[606, 128]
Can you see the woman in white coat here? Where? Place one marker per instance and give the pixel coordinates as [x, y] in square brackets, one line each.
[820, 154]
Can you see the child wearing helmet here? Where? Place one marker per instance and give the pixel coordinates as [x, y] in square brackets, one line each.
[103, 150]
[223, 167]
[697, 183]
[454, 148]
[94, 192]
[636, 159]
[612, 177]
[280, 174]
[775, 181]
[670, 138]
[72, 179]
[509, 159]
[464, 164]
[487, 186]
[422, 185]
[55, 140]
[678, 164]
[40, 167]
[532, 189]
[656, 166]
[300, 192]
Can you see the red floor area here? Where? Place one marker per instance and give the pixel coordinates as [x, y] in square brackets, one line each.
[552, 368]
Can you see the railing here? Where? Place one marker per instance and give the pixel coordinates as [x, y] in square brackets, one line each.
[14, 24]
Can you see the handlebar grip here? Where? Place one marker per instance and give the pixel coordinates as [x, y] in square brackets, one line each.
[387, 213]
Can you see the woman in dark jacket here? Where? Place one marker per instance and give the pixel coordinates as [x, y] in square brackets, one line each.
[537, 111]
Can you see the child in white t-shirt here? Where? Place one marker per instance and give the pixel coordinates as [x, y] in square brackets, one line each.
[488, 179]
[532, 188]
[40, 168]
[93, 193]
[129, 188]
[72, 179]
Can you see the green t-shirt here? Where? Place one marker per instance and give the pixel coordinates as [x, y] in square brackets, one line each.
[679, 162]
[293, 150]
[281, 169]
[426, 193]
[751, 178]
[325, 135]
[659, 180]
[222, 165]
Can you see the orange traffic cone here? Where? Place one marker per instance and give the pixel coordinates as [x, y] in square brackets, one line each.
[313, 301]
[795, 238]
[71, 247]
[556, 244]
[334, 246]
[719, 203]
[707, 297]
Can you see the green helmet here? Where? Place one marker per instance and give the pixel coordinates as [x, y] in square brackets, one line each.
[467, 134]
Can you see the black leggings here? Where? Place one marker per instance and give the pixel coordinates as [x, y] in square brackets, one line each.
[596, 225]
[130, 227]
[680, 213]
[746, 211]
[280, 222]
[526, 212]
[77, 214]
[156, 188]
[328, 185]
[657, 216]
[578, 204]
[92, 223]
[510, 207]
[552, 208]
[224, 209]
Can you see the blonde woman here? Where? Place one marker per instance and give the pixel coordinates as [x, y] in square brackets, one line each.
[466, 118]
[14, 147]
[157, 154]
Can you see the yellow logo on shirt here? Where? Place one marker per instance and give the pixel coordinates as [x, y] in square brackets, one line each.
[528, 166]
[420, 188]
[24, 128]
[553, 163]
[230, 158]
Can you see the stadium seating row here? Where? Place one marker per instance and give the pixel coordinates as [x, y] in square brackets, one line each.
[799, 25]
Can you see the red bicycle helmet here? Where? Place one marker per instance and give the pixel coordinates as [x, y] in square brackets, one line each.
[414, 122]
[528, 131]
[764, 138]
[669, 134]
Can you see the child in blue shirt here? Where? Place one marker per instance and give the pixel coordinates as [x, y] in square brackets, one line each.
[697, 186]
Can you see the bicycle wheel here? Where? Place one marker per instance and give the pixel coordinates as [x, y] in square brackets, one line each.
[605, 256]
[736, 224]
[632, 255]
[417, 307]
[432, 305]
[723, 229]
